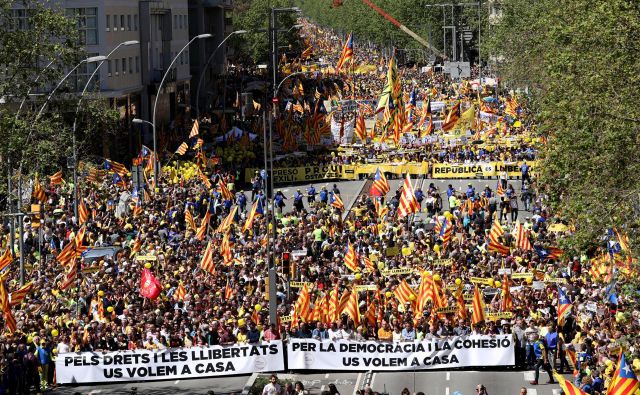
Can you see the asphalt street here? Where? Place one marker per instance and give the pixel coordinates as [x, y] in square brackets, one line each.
[391, 383]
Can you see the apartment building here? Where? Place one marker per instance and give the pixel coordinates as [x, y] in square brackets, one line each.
[130, 78]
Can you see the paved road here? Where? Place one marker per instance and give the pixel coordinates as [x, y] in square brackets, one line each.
[392, 383]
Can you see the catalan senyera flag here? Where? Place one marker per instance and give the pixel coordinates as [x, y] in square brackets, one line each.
[255, 210]
[225, 250]
[564, 306]
[496, 231]
[180, 292]
[425, 292]
[452, 117]
[56, 179]
[188, 217]
[567, 386]
[204, 179]
[38, 192]
[500, 191]
[352, 308]
[9, 320]
[624, 381]
[18, 296]
[506, 303]
[202, 230]
[116, 167]
[462, 306]
[368, 264]
[224, 190]
[334, 304]
[498, 247]
[6, 259]
[69, 277]
[380, 186]
[206, 263]
[408, 203]
[228, 291]
[351, 258]
[347, 53]
[226, 223]
[478, 307]
[572, 357]
[336, 201]
[404, 293]
[361, 128]
[303, 303]
[182, 149]
[83, 212]
[522, 237]
[307, 52]
[195, 129]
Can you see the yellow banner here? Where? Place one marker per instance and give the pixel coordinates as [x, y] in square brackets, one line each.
[521, 275]
[445, 310]
[484, 169]
[498, 316]
[366, 287]
[480, 280]
[393, 272]
[299, 284]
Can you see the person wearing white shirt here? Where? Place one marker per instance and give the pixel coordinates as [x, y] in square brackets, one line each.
[334, 332]
[345, 332]
[273, 388]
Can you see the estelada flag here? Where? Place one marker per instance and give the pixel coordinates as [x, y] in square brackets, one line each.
[149, 285]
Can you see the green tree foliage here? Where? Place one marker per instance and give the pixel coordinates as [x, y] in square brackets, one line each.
[254, 15]
[34, 34]
[580, 59]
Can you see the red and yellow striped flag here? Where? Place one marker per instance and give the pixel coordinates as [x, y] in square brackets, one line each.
[83, 212]
[303, 303]
[408, 202]
[361, 129]
[351, 258]
[18, 296]
[195, 129]
[207, 263]
[188, 217]
[182, 149]
[506, 303]
[6, 258]
[202, 230]
[334, 304]
[38, 191]
[567, 387]
[56, 179]
[404, 293]
[226, 223]
[180, 292]
[478, 307]
[352, 309]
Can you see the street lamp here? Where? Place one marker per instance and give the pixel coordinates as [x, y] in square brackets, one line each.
[202, 72]
[155, 104]
[297, 26]
[75, 120]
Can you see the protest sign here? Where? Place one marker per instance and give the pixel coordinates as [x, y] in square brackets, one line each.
[171, 363]
[458, 351]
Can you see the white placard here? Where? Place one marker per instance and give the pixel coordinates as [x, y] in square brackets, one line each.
[454, 352]
[171, 363]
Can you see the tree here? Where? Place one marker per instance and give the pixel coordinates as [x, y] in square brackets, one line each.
[580, 60]
[254, 15]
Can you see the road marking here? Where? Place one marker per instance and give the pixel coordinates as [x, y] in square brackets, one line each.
[373, 378]
[326, 376]
[448, 376]
[323, 387]
[529, 376]
[95, 392]
[446, 392]
[532, 391]
[357, 386]
[556, 391]
[176, 382]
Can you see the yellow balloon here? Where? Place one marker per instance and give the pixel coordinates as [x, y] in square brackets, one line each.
[29, 339]
[54, 333]
[258, 307]
[412, 297]
[147, 265]
[358, 276]
[218, 293]
[491, 282]
[110, 309]
[388, 294]
[458, 281]
[529, 280]
[101, 293]
[436, 277]
[240, 322]
[608, 362]
[167, 286]
[380, 265]
[498, 284]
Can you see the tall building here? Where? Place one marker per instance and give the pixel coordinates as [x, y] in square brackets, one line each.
[130, 78]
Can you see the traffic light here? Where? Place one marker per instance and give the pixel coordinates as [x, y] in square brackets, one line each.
[286, 263]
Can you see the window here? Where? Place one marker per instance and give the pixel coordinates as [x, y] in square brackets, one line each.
[121, 22]
[117, 65]
[115, 23]
[79, 79]
[20, 20]
[181, 20]
[87, 24]
[135, 22]
[181, 58]
[175, 21]
[108, 22]
[109, 68]
[130, 66]
[137, 64]
[129, 22]
[124, 65]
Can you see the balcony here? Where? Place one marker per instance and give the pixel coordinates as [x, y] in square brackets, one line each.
[156, 75]
[218, 3]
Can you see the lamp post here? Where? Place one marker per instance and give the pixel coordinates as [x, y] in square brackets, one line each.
[202, 72]
[75, 121]
[155, 104]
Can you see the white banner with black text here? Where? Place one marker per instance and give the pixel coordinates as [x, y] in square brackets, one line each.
[453, 352]
[171, 363]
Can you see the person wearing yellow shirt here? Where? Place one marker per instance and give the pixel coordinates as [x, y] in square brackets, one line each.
[385, 333]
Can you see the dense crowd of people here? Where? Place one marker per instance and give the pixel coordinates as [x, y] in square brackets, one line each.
[99, 308]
